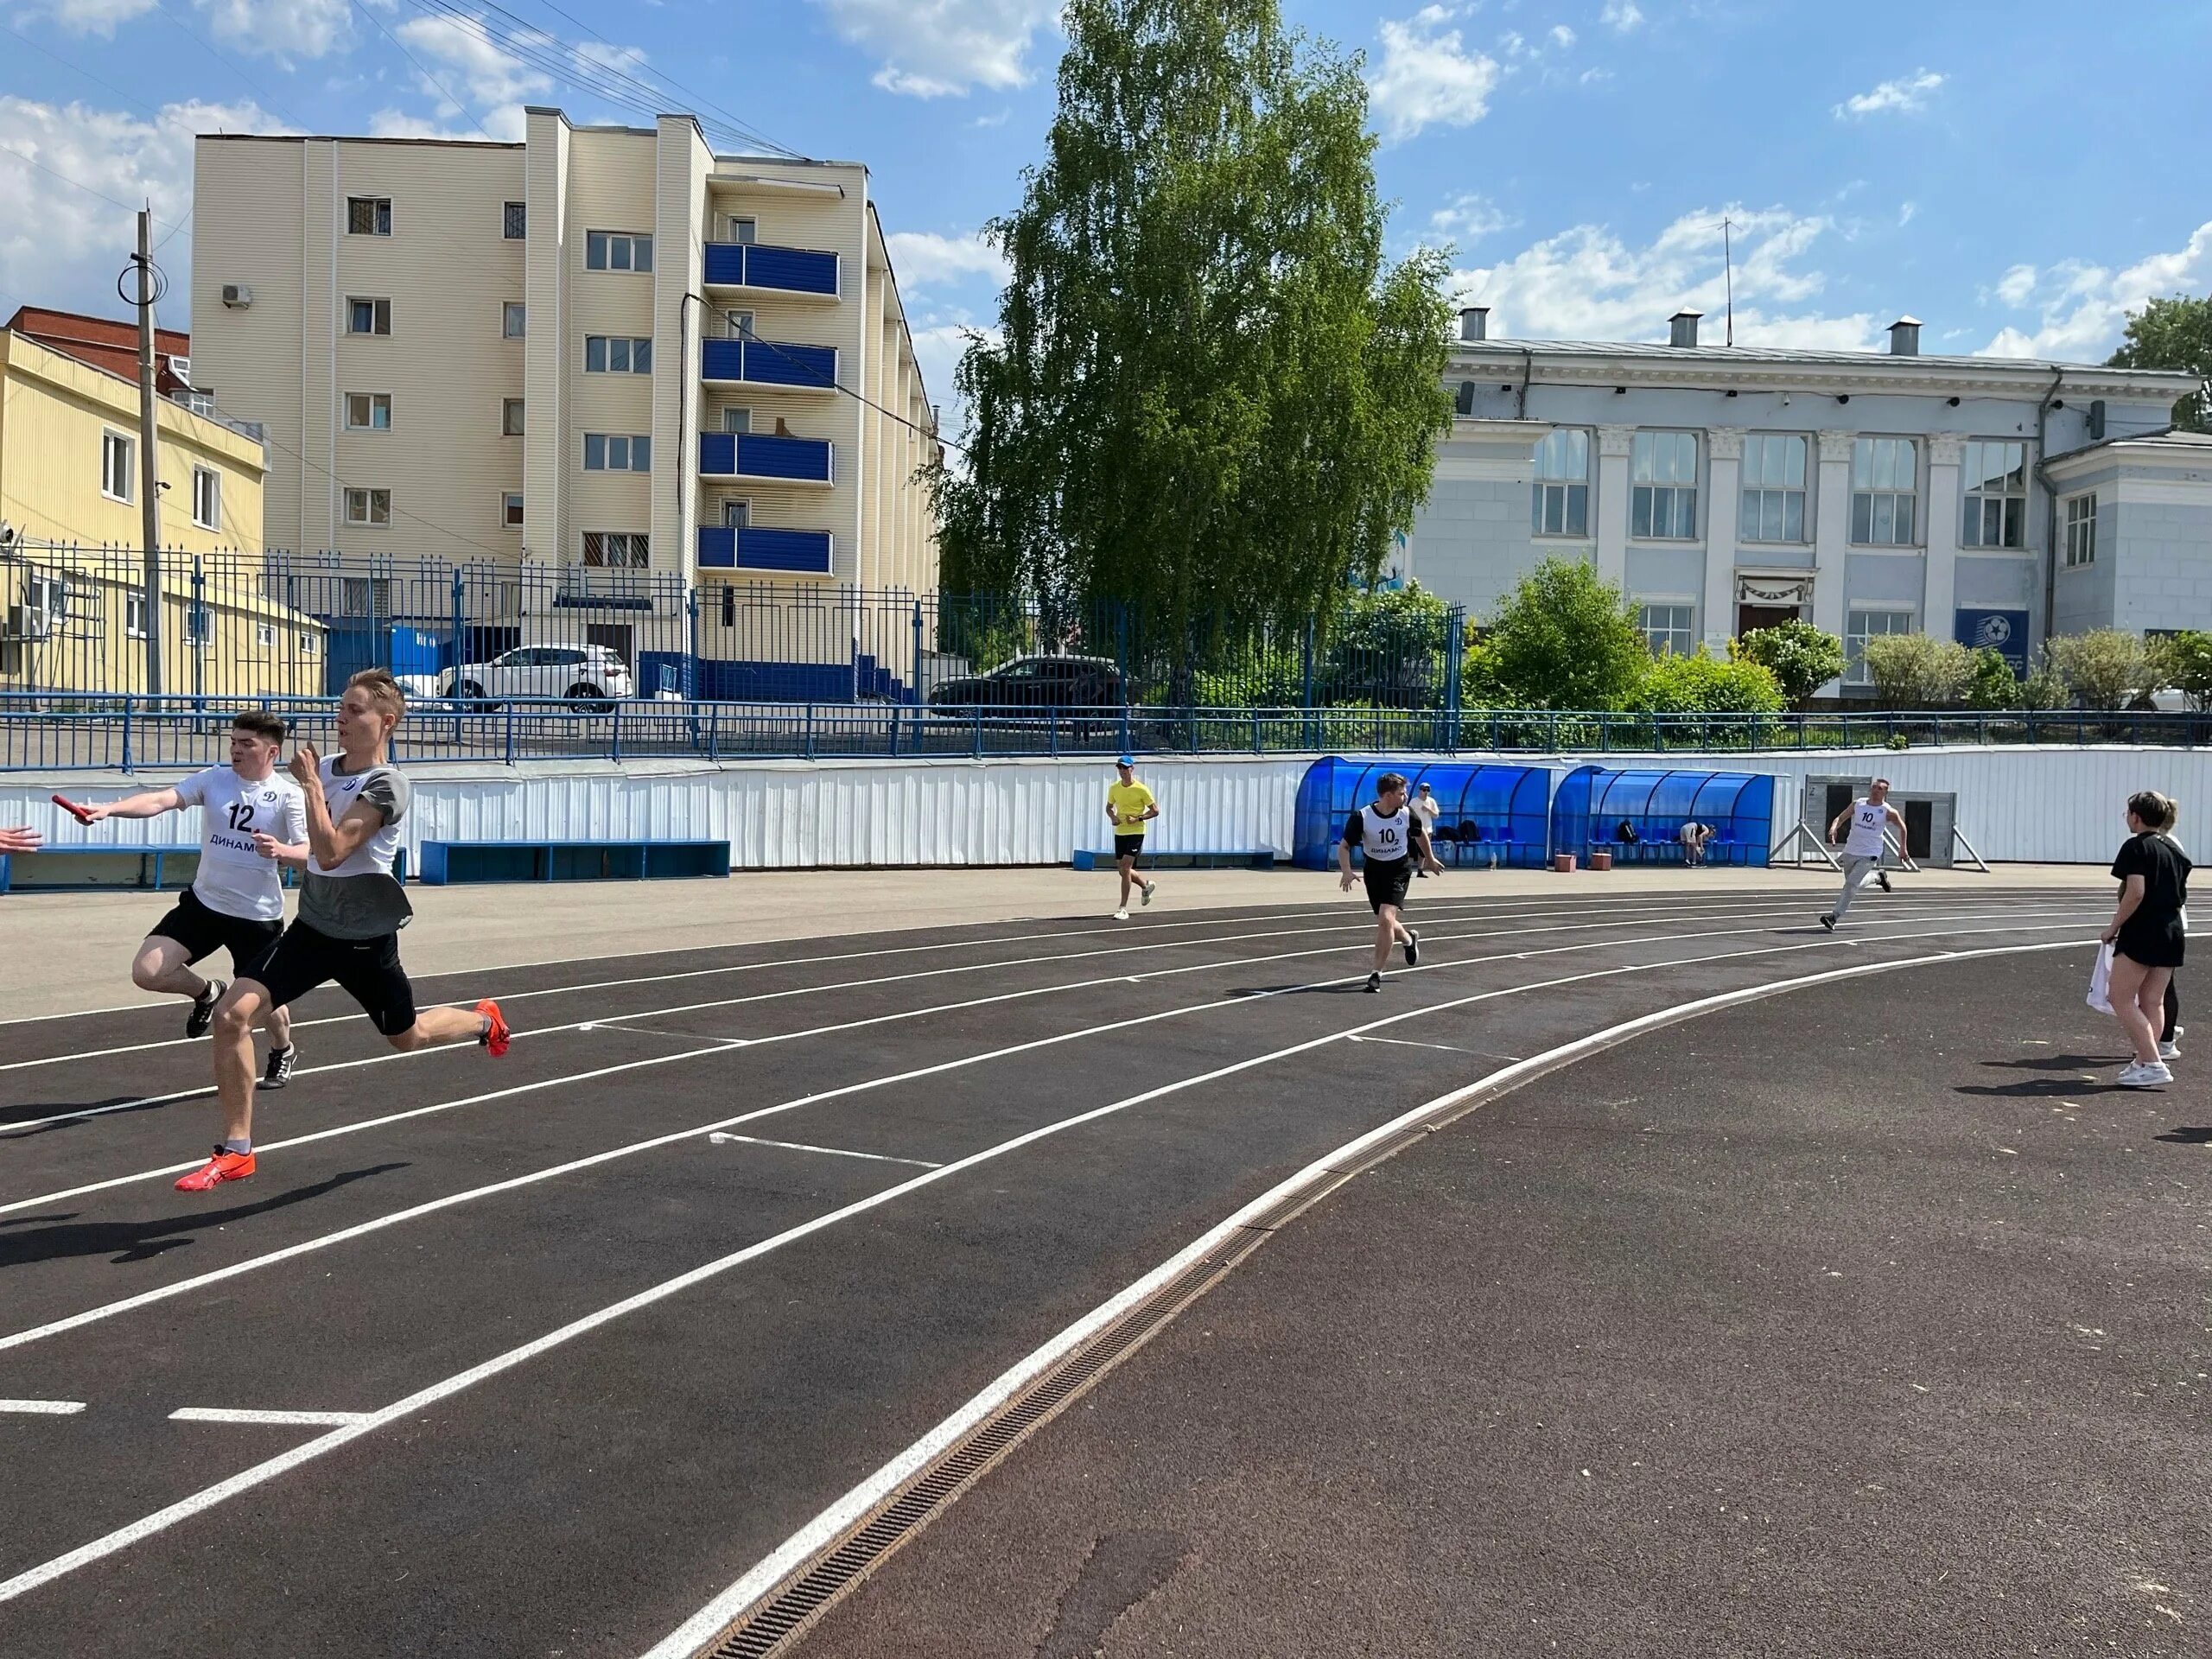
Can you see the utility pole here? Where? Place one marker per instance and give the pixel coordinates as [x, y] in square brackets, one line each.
[149, 484]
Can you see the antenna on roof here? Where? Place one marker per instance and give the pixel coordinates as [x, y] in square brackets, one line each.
[1728, 267]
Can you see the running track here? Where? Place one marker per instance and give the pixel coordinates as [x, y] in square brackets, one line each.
[557, 1368]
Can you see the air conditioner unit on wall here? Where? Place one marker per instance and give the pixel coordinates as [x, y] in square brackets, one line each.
[237, 295]
[27, 622]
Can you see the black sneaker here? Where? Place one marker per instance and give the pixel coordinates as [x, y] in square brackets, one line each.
[196, 1023]
[1883, 878]
[1828, 922]
[1412, 947]
[279, 1072]
[1375, 981]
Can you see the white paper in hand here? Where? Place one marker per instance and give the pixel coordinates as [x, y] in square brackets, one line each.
[2099, 978]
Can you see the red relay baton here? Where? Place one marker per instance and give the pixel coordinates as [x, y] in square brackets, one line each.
[73, 809]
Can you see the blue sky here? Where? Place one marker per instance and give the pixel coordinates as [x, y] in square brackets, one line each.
[2017, 175]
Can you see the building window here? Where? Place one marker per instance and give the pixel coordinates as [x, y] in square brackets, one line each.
[1774, 488]
[307, 643]
[737, 515]
[1662, 503]
[368, 317]
[740, 325]
[368, 215]
[1884, 482]
[511, 510]
[206, 498]
[368, 411]
[368, 506]
[1995, 477]
[737, 420]
[612, 452]
[514, 318]
[615, 549]
[617, 251]
[744, 230]
[514, 220]
[265, 635]
[115, 453]
[134, 616]
[1560, 504]
[511, 417]
[1859, 627]
[616, 354]
[1668, 629]
[2080, 529]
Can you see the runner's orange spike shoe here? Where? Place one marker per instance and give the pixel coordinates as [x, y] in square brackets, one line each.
[495, 1035]
[223, 1167]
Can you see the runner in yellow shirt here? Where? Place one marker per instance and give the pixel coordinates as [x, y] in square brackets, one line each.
[1129, 805]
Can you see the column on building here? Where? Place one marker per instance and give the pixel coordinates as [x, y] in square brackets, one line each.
[1832, 530]
[547, 352]
[1614, 443]
[681, 163]
[1717, 604]
[1939, 615]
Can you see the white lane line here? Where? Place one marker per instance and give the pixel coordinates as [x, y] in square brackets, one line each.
[260, 1474]
[626, 1066]
[43, 1408]
[676, 1036]
[453, 1200]
[847, 1510]
[1463, 910]
[1450, 1048]
[25, 1126]
[720, 1135]
[239, 1415]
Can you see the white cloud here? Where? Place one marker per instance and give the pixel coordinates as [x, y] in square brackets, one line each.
[1593, 77]
[1907, 212]
[939, 49]
[924, 259]
[60, 244]
[1586, 284]
[98, 18]
[1907, 95]
[283, 30]
[1621, 16]
[1469, 218]
[2082, 308]
[467, 52]
[1427, 78]
[1562, 37]
[619, 60]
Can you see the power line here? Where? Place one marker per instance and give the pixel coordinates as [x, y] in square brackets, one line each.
[237, 68]
[34, 161]
[746, 334]
[81, 70]
[418, 64]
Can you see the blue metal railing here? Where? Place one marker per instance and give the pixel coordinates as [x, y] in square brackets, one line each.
[131, 734]
[788, 271]
[769, 363]
[764, 454]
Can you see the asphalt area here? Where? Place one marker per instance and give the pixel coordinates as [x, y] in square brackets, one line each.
[567, 1344]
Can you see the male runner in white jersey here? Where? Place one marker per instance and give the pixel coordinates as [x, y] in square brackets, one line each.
[252, 819]
[351, 912]
[1862, 848]
[1391, 840]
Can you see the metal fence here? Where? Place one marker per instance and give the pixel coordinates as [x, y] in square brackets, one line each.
[141, 733]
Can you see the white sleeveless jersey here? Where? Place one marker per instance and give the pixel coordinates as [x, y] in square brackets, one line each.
[1383, 837]
[1867, 822]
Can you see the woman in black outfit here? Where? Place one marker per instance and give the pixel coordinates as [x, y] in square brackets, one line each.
[2145, 934]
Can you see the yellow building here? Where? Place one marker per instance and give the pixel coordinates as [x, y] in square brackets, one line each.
[73, 612]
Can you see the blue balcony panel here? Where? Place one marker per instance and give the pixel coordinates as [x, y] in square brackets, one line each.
[768, 363]
[781, 270]
[764, 454]
[801, 552]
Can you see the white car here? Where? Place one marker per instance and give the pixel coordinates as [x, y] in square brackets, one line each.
[588, 674]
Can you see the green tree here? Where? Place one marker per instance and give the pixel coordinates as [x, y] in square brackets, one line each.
[1801, 658]
[2174, 333]
[2186, 661]
[1564, 639]
[2105, 668]
[1704, 684]
[1917, 671]
[2045, 687]
[1386, 645]
[1208, 396]
[1993, 684]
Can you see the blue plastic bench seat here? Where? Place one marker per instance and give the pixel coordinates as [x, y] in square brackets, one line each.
[146, 869]
[1088, 859]
[449, 862]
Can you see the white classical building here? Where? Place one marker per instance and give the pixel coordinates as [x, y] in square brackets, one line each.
[1989, 499]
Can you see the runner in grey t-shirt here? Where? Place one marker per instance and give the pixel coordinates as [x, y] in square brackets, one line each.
[351, 912]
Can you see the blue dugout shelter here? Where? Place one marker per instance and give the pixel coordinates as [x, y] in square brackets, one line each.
[1488, 811]
[1593, 803]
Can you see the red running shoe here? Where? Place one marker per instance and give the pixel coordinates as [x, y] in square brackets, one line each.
[223, 1167]
[496, 1034]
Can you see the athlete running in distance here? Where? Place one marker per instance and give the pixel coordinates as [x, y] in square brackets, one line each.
[1129, 807]
[1392, 841]
[1862, 849]
[351, 912]
[252, 820]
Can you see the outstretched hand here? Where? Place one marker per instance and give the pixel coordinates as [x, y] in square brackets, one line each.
[22, 839]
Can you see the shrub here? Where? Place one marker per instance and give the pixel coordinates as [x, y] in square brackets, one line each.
[2107, 668]
[2045, 687]
[1801, 658]
[1916, 671]
[1564, 639]
[2185, 662]
[1703, 684]
[1993, 684]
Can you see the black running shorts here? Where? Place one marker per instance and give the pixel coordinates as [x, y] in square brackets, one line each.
[367, 971]
[203, 930]
[1129, 846]
[1387, 881]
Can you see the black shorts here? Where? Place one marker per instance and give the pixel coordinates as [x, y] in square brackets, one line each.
[1387, 881]
[2152, 944]
[367, 971]
[1129, 846]
[201, 931]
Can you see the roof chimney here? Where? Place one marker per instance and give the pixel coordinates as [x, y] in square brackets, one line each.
[1904, 337]
[1682, 327]
[1474, 322]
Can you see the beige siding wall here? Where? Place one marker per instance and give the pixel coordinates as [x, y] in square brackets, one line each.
[546, 528]
[610, 188]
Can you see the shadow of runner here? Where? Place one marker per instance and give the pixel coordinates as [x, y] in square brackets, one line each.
[2193, 1136]
[141, 1241]
[2059, 1062]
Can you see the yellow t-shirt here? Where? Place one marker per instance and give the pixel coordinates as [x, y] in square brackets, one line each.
[1127, 803]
